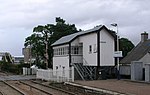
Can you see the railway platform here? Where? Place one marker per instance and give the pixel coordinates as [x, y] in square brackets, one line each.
[122, 86]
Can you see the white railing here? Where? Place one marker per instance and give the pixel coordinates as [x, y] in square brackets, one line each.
[56, 75]
[29, 71]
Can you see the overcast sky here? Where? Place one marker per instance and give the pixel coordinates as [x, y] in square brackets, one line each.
[19, 17]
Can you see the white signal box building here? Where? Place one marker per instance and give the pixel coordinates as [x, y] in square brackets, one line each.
[91, 52]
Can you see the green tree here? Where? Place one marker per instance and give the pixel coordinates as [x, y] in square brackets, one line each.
[125, 46]
[36, 43]
[45, 35]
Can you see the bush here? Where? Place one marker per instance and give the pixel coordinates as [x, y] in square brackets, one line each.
[17, 68]
[13, 68]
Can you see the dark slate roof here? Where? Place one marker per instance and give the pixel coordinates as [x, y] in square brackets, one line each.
[137, 53]
[68, 38]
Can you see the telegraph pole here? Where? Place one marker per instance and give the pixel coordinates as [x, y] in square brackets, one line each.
[118, 66]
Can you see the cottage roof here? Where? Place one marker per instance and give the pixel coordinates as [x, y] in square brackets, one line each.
[68, 38]
[138, 52]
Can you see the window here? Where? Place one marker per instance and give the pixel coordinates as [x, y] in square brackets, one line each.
[61, 51]
[66, 50]
[76, 50]
[90, 48]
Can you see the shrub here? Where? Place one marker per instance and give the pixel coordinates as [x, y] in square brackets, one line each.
[13, 68]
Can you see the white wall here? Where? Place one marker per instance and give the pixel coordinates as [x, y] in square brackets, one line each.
[145, 59]
[75, 42]
[61, 61]
[90, 39]
[106, 49]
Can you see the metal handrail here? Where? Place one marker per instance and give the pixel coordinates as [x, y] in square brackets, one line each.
[78, 71]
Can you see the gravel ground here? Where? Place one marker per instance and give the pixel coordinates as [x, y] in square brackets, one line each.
[128, 87]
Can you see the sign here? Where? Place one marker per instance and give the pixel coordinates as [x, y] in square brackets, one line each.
[118, 54]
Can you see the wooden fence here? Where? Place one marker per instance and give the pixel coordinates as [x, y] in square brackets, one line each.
[56, 75]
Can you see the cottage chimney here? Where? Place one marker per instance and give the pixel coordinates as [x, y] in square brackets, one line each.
[144, 36]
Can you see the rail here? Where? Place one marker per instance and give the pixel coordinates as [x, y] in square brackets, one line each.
[62, 90]
[47, 89]
[13, 87]
[31, 86]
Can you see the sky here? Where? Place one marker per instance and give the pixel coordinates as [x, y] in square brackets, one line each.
[19, 17]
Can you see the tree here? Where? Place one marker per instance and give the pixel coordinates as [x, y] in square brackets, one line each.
[45, 35]
[125, 46]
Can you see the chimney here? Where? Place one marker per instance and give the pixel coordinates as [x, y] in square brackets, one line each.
[144, 36]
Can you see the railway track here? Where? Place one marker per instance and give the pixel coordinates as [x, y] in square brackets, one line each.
[7, 89]
[72, 89]
[33, 88]
[28, 87]
[37, 87]
[66, 92]
[49, 89]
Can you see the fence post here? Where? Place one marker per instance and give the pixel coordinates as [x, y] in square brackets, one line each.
[72, 74]
[57, 75]
[24, 71]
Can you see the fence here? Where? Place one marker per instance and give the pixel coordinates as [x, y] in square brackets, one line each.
[56, 75]
[29, 71]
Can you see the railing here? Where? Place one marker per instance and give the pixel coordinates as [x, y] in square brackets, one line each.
[79, 70]
[29, 71]
[85, 71]
[90, 69]
[56, 75]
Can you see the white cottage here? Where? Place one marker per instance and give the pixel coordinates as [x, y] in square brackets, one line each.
[90, 52]
[141, 53]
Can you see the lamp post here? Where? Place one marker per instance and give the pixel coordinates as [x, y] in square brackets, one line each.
[118, 70]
